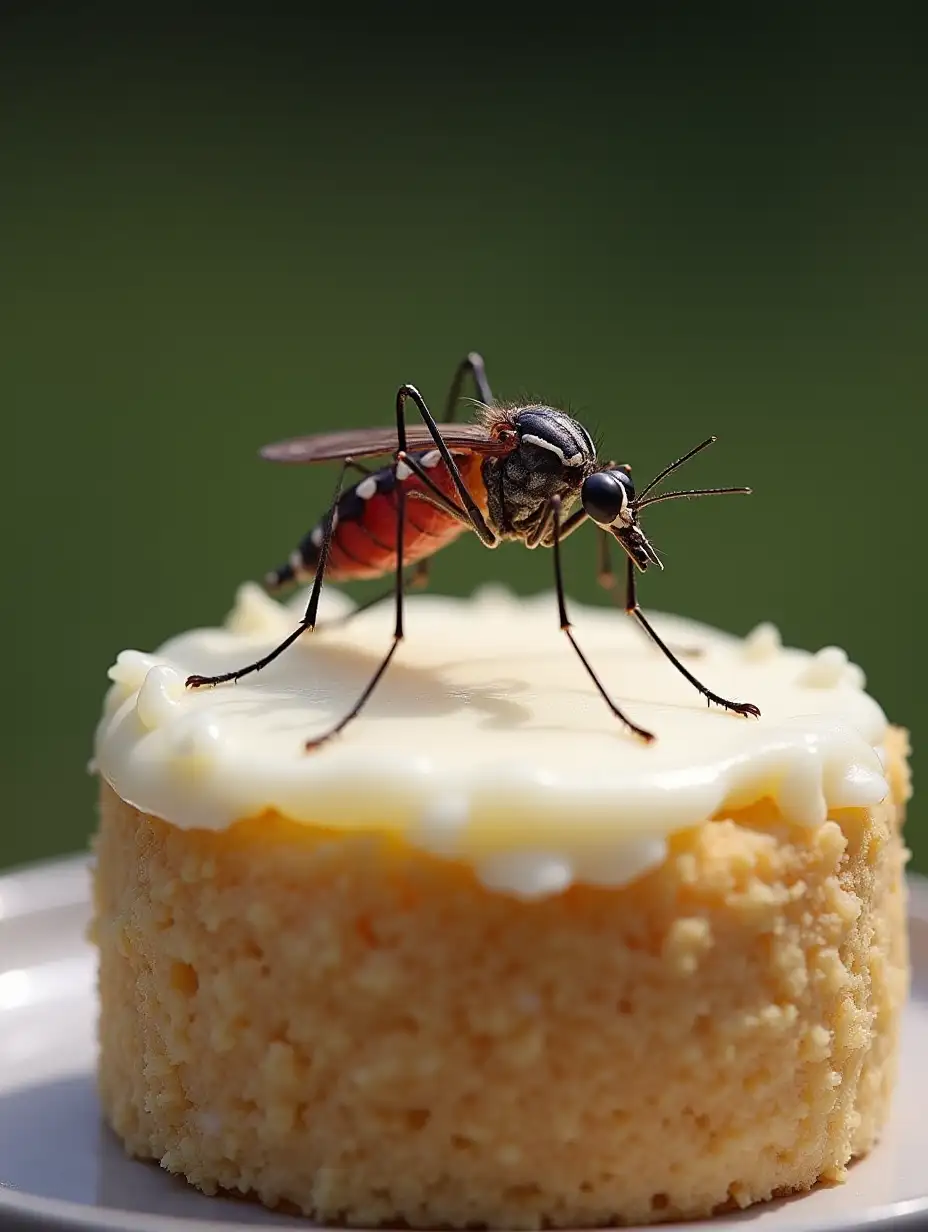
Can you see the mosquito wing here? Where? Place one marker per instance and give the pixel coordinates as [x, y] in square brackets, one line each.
[370, 442]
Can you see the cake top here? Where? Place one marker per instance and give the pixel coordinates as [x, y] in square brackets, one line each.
[485, 741]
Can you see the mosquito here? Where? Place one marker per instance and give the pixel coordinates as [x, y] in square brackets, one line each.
[515, 473]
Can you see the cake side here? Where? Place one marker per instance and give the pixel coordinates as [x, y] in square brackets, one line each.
[342, 1022]
[886, 973]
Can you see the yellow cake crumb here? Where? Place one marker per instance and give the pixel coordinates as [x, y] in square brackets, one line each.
[343, 1023]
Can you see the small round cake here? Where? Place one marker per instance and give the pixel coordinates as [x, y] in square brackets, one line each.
[486, 959]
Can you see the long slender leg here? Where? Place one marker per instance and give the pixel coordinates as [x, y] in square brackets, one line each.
[472, 363]
[544, 529]
[605, 574]
[398, 630]
[287, 575]
[607, 579]
[576, 519]
[477, 520]
[632, 608]
[419, 577]
[416, 579]
[574, 522]
[434, 495]
[308, 623]
[566, 626]
[442, 502]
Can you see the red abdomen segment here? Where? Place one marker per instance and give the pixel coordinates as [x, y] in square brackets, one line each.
[364, 540]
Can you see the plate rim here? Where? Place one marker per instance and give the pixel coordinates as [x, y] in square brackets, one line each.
[45, 885]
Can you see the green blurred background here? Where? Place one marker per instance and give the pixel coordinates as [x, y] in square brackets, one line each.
[219, 231]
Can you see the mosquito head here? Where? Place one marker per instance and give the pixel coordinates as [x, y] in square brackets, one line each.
[608, 497]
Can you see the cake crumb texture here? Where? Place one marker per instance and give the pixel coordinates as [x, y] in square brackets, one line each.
[340, 1022]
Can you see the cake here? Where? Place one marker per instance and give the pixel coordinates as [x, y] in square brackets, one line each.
[486, 959]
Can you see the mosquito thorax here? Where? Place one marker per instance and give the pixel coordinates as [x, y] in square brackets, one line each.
[555, 434]
[553, 456]
[607, 496]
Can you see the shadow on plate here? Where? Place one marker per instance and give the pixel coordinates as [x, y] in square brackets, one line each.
[53, 1144]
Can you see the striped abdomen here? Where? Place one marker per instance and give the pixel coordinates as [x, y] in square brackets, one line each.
[364, 538]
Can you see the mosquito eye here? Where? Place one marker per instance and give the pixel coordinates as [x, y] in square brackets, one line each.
[605, 495]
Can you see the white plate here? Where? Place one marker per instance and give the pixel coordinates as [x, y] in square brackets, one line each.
[61, 1169]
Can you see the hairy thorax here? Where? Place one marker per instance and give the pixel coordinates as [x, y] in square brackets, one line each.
[519, 487]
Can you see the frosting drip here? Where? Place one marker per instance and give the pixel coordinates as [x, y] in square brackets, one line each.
[485, 741]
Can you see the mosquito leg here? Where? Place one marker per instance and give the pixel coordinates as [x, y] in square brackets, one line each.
[543, 528]
[434, 495]
[416, 579]
[566, 626]
[605, 574]
[472, 363]
[543, 531]
[442, 502]
[475, 517]
[308, 623]
[607, 579]
[577, 519]
[317, 741]
[287, 575]
[632, 608]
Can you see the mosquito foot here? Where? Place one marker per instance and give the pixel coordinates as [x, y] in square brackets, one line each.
[645, 736]
[312, 745]
[198, 682]
[748, 709]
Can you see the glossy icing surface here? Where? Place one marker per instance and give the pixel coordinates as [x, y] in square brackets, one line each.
[485, 741]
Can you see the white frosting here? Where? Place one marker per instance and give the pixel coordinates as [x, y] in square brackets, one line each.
[485, 741]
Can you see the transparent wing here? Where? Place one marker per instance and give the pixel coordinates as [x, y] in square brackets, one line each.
[370, 442]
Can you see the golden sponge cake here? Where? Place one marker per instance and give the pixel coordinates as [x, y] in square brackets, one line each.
[591, 992]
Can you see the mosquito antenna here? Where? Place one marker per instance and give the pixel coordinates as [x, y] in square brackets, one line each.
[665, 496]
[679, 462]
